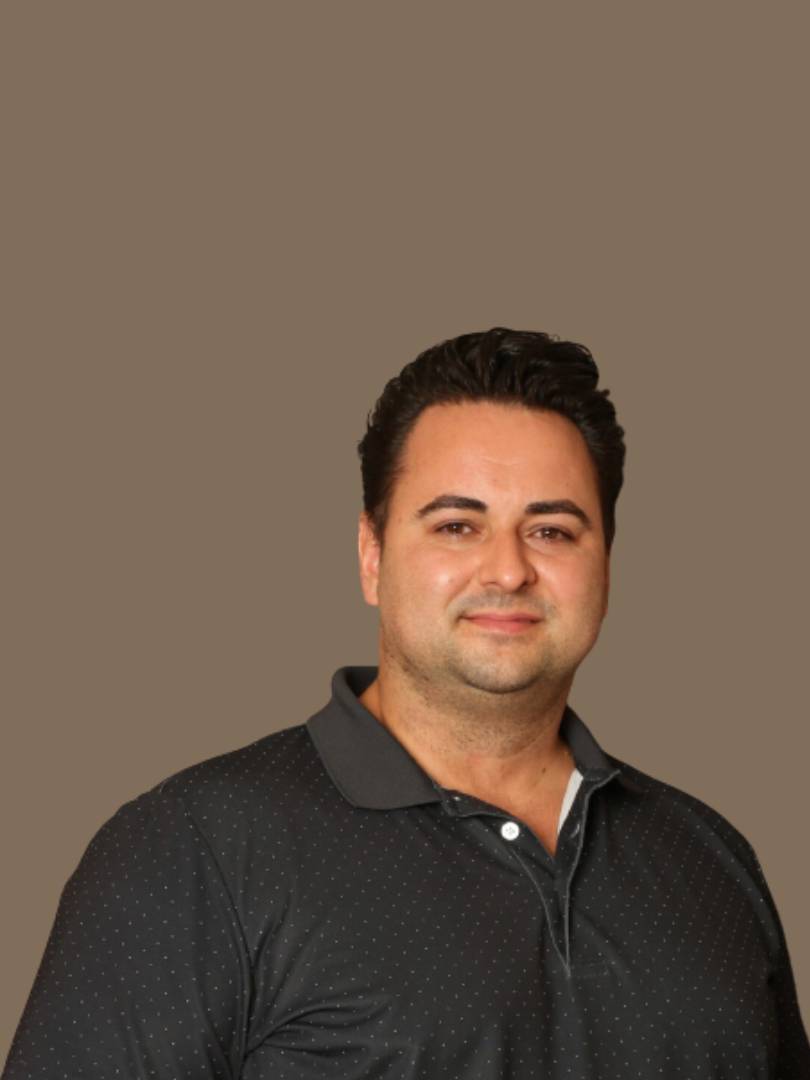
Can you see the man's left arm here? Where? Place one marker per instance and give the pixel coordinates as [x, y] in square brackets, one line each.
[793, 1057]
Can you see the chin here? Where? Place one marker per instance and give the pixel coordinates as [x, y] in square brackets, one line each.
[504, 688]
[500, 681]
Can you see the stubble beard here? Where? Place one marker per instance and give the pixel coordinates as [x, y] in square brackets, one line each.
[472, 678]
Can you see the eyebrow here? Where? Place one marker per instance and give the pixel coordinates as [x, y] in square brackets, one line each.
[464, 502]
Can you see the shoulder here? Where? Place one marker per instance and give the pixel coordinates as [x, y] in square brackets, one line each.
[674, 830]
[265, 786]
[239, 789]
[676, 814]
[227, 813]
[272, 766]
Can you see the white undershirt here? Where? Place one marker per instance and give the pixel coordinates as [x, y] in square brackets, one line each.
[570, 794]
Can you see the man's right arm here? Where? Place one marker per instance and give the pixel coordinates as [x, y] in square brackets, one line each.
[145, 973]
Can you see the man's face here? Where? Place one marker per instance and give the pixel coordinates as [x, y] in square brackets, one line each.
[478, 583]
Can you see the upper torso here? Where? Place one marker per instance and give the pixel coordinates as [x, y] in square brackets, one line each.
[313, 907]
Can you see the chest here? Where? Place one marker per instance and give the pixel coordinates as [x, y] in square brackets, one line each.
[445, 944]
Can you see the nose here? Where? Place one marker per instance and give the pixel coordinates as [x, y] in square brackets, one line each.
[505, 562]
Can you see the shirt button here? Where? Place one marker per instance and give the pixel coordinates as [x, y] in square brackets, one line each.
[509, 830]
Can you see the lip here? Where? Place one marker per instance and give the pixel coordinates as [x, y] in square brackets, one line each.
[511, 616]
[512, 623]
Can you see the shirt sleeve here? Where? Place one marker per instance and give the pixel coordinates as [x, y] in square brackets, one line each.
[145, 973]
[793, 1050]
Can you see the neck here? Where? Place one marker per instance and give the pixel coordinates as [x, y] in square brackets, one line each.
[476, 741]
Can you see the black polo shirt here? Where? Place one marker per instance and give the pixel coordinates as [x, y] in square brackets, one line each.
[313, 906]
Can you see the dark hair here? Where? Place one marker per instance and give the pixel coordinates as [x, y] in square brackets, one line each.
[510, 366]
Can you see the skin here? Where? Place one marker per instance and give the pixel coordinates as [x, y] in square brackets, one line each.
[478, 703]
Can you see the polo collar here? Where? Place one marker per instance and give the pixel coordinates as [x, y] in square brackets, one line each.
[372, 769]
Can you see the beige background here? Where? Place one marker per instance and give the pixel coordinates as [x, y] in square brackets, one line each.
[226, 225]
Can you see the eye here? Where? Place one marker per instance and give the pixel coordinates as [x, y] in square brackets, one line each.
[453, 528]
[553, 533]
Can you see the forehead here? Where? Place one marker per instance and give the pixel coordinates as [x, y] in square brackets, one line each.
[503, 447]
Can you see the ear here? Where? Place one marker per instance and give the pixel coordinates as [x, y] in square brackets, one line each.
[368, 549]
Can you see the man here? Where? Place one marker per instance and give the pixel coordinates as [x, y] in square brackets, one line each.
[440, 875]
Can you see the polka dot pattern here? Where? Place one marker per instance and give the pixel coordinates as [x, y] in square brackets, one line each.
[313, 906]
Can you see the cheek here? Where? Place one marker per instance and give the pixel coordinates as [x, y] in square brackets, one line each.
[577, 585]
[444, 574]
[432, 575]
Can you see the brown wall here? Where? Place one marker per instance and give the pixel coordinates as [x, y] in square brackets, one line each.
[227, 225]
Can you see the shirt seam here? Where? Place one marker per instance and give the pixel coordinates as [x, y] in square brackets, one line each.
[246, 976]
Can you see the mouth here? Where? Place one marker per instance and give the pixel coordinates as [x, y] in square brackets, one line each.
[505, 624]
